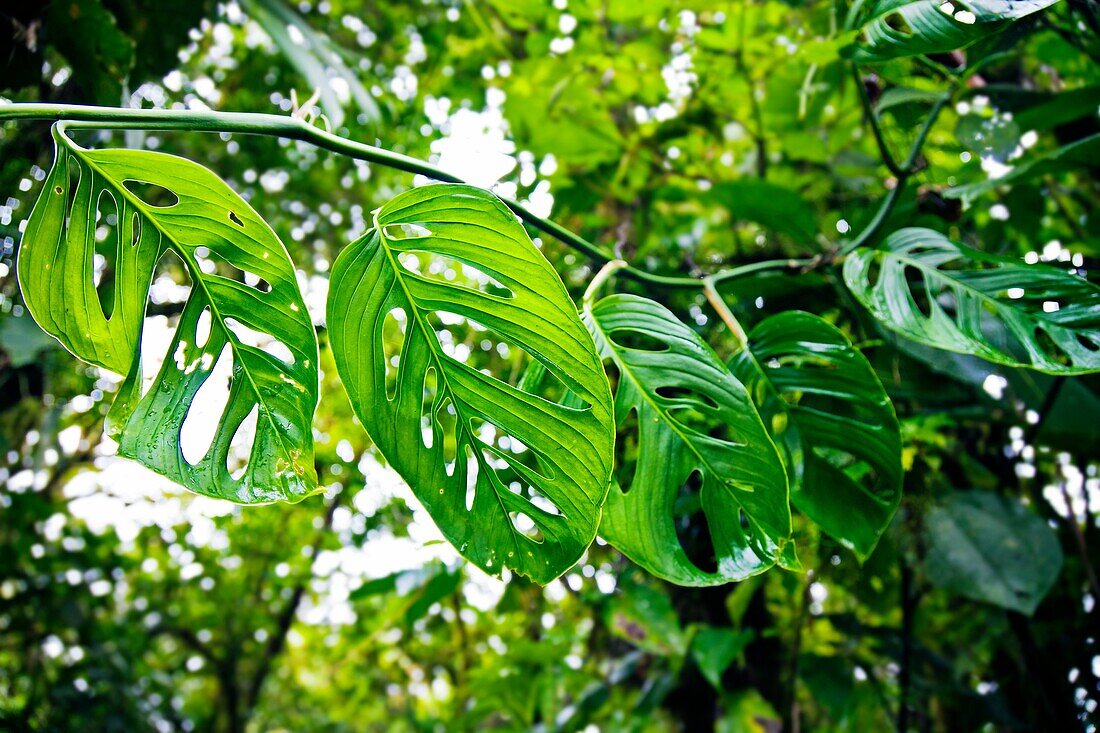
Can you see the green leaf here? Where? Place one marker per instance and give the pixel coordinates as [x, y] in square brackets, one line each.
[261, 343]
[826, 407]
[899, 28]
[644, 616]
[993, 549]
[950, 296]
[774, 207]
[693, 416]
[1080, 154]
[22, 341]
[715, 647]
[98, 52]
[483, 495]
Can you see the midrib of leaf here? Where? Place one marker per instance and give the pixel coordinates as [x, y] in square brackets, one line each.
[193, 266]
[433, 348]
[649, 400]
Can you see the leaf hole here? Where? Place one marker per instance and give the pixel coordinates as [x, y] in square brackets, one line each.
[472, 468]
[202, 328]
[630, 338]
[692, 527]
[250, 337]
[240, 447]
[105, 259]
[212, 263]
[236, 219]
[673, 393]
[151, 194]
[405, 230]
[392, 344]
[203, 415]
[526, 526]
[453, 271]
[447, 420]
[1051, 348]
[430, 389]
[627, 449]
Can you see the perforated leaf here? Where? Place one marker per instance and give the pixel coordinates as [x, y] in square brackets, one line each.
[897, 28]
[693, 416]
[943, 294]
[830, 415]
[255, 339]
[511, 478]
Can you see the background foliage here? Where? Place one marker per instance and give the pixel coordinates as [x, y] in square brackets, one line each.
[687, 137]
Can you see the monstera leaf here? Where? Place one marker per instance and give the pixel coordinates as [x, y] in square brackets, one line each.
[243, 325]
[529, 499]
[693, 416]
[947, 295]
[826, 407]
[897, 28]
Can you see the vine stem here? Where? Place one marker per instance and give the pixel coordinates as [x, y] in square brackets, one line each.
[292, 128]
[601, 277]
[724, 312]
[903, 172]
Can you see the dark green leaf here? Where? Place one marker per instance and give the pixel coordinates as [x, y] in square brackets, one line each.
[714, 648]
[992, 549]
[950, 296]
[692, 416]
[553, 469]
[1081, 154]
[264, 339]
[826, 407]
[774, 207]
[898, 28]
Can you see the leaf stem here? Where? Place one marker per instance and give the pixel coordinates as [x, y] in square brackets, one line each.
[296, 129]
[724, 312]
[904, 173]
[876, 126]
[601, 277]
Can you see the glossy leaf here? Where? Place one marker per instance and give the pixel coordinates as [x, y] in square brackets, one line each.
[899, 28]
[483, 496]
[260, 344]
[992, 549]
[692, 415]
[950, 296]
[829, 413]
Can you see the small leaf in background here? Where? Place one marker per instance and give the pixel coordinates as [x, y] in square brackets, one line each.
[408, 594]
[512, 479]
[950, 296]
[644, 616]
[773, 207]
[898, 28]
[714, 648]
[693, 417]
[229, 414]
[826, 408]
[22, 340]
[992, 549]
[1074, 156]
